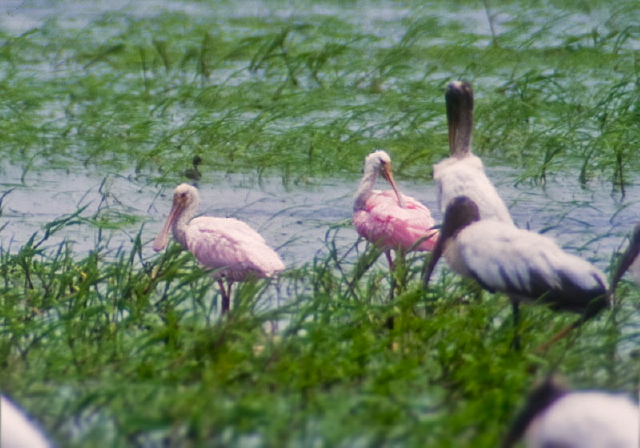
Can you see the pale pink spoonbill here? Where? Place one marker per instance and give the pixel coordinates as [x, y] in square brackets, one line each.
[522, 264]
[462, 174]
[17, 430]
[554, 416]
[388, 219]
[629, 260]
[232, 249]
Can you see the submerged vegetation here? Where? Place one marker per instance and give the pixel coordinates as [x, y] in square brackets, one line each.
[116, 347]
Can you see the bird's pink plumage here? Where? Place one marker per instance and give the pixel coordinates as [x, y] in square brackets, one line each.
[233, 247]
[390, 227]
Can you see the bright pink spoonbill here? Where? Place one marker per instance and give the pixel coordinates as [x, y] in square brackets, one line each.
[388, 219]
[463, 174]
[230, 247]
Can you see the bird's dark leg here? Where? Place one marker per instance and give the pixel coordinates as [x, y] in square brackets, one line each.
[398, 277]
[229, 284]
[387, 253]
[593, 309]
[515, 307]
[390, 321]
[226, 299]
[392, 270]
[559, 335]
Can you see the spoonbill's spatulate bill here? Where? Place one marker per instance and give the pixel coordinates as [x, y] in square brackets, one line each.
[462, 174]
[228, 246]
[522, 264]
[553, 416]
[388, 219]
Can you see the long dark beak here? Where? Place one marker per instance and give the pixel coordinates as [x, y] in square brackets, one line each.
[459, 104]
[453, 120]
[539, 399]
[626, 260]
[436, 253]
[388, 175]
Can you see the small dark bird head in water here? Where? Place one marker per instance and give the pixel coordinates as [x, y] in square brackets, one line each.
[193, 173]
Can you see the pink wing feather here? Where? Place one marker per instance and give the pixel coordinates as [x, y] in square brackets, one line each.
[384, 223]
[231, 247]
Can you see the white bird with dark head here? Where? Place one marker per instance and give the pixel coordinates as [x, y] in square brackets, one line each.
[522, 264]
[232, 249]
[389, 219]
[462, 174]
[554, 416]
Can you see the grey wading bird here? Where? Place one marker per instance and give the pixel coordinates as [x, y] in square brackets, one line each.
[462, 174]
[232, 249]
[524, 265]
[554, 416]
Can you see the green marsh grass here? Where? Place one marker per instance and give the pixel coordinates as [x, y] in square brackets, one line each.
[115, 347]
[242, 91]
[124, 350]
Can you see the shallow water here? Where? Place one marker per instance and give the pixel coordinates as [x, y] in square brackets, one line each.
[294, 219]
[592, 222]
[19, 16]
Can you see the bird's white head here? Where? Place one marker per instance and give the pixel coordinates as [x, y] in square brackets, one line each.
[376, 163]
[185, 203]
[185, 196]
[377, 158]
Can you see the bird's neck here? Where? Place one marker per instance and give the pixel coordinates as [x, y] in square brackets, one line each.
[365, 189]
[179, 228]
[460, 122]
[462, 142]
[462, 147]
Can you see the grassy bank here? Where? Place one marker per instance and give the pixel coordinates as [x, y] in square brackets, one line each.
[118, 350]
